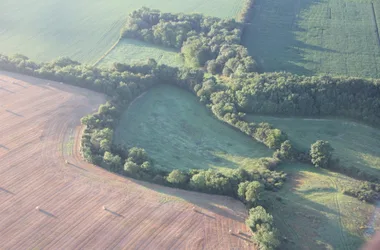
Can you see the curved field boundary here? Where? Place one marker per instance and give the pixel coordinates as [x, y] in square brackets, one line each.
[46, 203]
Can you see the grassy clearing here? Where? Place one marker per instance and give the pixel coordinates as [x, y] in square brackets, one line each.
[314, 214]
[83, 30]
[179, 133]
[133, 51]
[355, 144]
[316, 36]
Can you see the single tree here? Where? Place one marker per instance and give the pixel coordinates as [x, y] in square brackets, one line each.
[321, 153]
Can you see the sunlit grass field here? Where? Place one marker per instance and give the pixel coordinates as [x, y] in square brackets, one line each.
[178, 132]
[312, 213]
[83, 30]
[355, 144]
[131, 51]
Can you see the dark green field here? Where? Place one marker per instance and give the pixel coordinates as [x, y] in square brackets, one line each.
[179, 133]
[313, 36]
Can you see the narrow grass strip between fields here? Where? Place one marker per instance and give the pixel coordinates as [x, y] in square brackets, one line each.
[108, 51]
[375, 21]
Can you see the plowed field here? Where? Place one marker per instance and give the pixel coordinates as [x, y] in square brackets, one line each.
[39, 130]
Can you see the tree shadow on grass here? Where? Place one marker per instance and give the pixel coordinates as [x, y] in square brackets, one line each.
[304, 223]
[270, 36]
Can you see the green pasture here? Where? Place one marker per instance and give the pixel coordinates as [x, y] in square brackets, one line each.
[311, 212]
[178, 132]
[83, 30]
[316, 36]
[355, 144]
[132, 51]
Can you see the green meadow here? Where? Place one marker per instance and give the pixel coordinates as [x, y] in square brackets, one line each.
[311, 212]
[178, 132]
[355, 144]
[133, 51]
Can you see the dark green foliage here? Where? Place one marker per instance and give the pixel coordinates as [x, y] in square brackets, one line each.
[261, 224]
[321, 154]
[286, 152]
[369, 192]
[137, 155]
[177, 178]
[288, 94]
[204, 41]
[211, 181]
[250, 192]
[112, 162]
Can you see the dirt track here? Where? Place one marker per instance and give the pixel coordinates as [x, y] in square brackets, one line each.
[39, 129]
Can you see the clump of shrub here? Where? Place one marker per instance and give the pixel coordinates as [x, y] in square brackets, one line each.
[366, 191]
[261, 224]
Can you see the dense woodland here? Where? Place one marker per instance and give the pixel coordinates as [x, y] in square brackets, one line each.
[230, 89]
[207, 42]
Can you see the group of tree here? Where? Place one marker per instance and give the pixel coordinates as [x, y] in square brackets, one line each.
[283, 93]
[261, 224]
[204, 41]
[365, 191]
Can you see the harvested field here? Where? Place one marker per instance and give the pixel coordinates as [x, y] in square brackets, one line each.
[39, 130]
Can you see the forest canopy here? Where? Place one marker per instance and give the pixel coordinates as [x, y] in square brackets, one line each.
[204, 41]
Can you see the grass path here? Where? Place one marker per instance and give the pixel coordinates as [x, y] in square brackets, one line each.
[312, 213]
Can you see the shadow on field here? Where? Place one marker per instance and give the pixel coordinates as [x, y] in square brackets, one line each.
[6, 90]
[48, 214]
[114, 213]
[72, 164]
[305, 224]
[203, 202]
[14, 113]
[6, 191]
[271, 36]
[4, 147]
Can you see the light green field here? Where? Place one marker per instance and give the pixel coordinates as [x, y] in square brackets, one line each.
[312, 36]
[133, 51]
[83, 30]
[355, 144]
[178, 132]
[314, 214]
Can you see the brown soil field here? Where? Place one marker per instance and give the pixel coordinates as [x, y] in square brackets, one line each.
[39, 130]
